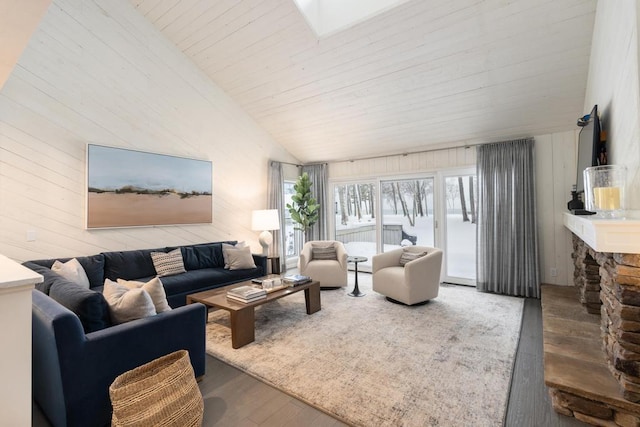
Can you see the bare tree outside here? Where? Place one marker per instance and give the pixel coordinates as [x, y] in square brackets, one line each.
[452, 191]
[472, 201]
[463, 202]
[342, 200]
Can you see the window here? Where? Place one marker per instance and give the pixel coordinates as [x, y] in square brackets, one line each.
[292, 237]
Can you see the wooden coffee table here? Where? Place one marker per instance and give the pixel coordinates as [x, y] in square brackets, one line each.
[243, 315]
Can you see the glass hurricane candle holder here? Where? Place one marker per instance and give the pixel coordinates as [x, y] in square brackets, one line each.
[604, 189]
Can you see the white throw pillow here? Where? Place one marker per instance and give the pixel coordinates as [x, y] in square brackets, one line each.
[127, 304]
[169, 263]
[240, 259]
[154, 288]
[226, 247]
[73, 271]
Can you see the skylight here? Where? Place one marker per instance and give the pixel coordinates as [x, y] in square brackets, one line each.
[326, 17]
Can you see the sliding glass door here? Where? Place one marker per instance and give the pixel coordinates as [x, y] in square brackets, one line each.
[407, 212]
[437, 210]
[355, 219]
[459, 231]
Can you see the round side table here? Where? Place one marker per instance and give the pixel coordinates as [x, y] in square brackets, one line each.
[355, 260]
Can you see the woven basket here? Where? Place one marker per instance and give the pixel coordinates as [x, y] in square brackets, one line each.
[163, 392]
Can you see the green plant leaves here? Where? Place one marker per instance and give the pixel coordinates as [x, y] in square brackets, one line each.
[304, 209]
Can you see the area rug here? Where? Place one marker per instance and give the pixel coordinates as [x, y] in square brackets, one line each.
[369, 362]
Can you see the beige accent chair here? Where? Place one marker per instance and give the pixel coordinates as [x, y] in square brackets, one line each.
[330, 273]
[415, 283]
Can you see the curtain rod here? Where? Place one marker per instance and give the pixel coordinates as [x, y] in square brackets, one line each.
[405, 154]
[299, 166]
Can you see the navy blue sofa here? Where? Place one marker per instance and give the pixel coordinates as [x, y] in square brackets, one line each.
[77, 352]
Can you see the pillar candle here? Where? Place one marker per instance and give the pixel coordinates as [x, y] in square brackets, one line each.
[607, 198]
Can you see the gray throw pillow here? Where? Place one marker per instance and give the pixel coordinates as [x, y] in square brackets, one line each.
[225, 251]
[327, 252]
[240, 258]
[410, 256]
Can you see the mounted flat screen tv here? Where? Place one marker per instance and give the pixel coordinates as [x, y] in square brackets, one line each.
[591, 151]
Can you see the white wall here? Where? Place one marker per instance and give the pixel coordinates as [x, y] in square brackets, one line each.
[18, 20]
[613, 85]
[555, 174]
[96, 71]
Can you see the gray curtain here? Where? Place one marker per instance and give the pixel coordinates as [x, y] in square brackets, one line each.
[275, 200]
[507, 244]
[319, 183]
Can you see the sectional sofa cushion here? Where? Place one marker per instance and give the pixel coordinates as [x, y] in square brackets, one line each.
[203, 279]
[93, 267]
[89, 305]
[129, 265]
[49, 276]
[208, 255]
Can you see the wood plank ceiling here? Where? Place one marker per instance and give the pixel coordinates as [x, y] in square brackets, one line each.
[426, 74]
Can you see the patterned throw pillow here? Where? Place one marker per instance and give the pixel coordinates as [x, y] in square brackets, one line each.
[410, 256]
[324, 252]
[167, 264]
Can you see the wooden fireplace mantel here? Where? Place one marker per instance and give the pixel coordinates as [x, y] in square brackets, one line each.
[607, 235]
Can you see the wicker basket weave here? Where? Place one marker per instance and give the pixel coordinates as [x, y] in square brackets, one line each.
[163, 392]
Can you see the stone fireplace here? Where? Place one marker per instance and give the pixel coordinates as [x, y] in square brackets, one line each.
[592, 330]
[613, 278]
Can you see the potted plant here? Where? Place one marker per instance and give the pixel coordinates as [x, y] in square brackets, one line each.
[303, 208]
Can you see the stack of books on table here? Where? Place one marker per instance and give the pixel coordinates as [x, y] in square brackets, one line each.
[246, 294]
[295, 280]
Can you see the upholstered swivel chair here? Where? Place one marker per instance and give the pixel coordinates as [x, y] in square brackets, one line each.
[324, 261]
[418, 281]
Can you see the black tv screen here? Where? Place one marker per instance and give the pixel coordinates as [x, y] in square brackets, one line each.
[590, 150]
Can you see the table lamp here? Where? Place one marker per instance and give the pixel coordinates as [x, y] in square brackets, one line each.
[265, 220]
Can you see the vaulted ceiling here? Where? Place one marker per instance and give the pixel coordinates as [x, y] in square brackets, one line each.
[426, 74]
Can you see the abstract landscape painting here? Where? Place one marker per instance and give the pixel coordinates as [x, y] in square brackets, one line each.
[128, 188]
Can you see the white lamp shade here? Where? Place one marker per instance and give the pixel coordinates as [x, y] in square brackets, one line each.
[267, 219]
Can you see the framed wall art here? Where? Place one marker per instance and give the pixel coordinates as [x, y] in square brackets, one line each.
[128, 188]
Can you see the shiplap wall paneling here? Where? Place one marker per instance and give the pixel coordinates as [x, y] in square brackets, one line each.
[565, 167]
[421, 73]
[614, 84]
[99, 72]
[555, 174]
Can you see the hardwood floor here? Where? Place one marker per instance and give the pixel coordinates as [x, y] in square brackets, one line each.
[232, 398]
[529, 403]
